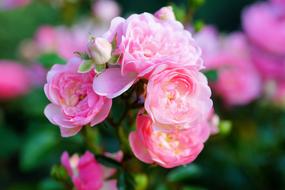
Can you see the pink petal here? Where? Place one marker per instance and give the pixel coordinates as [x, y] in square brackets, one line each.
[65, 162]
[111, 83]
[68, 132]
[138, 149]
[104, 112]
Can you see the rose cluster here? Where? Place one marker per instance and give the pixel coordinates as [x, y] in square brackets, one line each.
[175, 119]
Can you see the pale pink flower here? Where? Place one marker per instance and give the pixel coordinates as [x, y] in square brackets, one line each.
[238, 81]
[178, 98]
[106, 9]
[86, 173]
[10, 4]
[14, 79]
[60, 40]
[264, 23]
[165, 13]
[74, 103]
[145, 42]
[167, 148]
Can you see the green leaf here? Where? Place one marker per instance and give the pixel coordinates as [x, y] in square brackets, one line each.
[49, 59]
[50, 184]
[99, 68]
[58, 172]
[36, 148]
[86, 66]
[212, 75]
[198, 25]
[179, 11]
[184, 173]
[125, 181]
[9, 143]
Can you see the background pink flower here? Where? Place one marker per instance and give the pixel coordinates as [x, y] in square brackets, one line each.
[106, 10]
[9, 4]
[14, 79]
[269, 65]
[238, 81]
[74, 103]
[264, 23]
[87, 173]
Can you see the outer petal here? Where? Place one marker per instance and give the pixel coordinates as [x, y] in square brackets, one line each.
[138, 148]
[54, 115]
[66, 163]
[104, 112]
[111, 83]
[68, 132]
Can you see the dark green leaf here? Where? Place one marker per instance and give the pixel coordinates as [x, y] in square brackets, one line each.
[184, 173]
[37, 147]
[109, 162]
[212, 75]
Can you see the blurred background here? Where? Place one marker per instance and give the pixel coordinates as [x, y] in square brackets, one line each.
[247, 153]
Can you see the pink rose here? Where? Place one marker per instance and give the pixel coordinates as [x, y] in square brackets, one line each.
[14, 80]
[145, 42]
[178, 98]
[167, 149]
[86, 172]
[264, 24]
[238, 81]
[74, 103]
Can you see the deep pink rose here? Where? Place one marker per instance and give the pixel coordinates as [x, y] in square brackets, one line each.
[178, 98]
[167, 148]
[74, 103]
[14, 79]
[144, 42]
[264, 23]
[238, 81]
[86, 173]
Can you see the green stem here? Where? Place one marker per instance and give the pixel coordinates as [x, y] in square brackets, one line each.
[88, 136]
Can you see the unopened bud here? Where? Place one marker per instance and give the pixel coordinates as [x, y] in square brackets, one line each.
[100, 50]
[165, 13]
